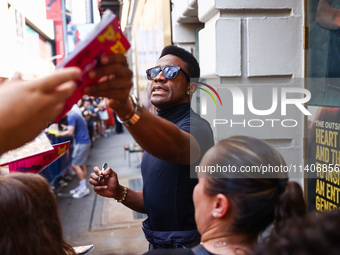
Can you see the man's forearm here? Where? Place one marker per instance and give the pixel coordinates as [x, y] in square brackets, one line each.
[65, 133]
[163, 139]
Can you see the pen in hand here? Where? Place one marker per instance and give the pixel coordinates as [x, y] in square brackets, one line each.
[103, 168]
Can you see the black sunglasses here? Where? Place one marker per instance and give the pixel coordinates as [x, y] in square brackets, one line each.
[169, 72]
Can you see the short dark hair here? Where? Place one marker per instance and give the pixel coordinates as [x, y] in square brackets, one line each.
[88, 100]
[190, 61]
[316, 234]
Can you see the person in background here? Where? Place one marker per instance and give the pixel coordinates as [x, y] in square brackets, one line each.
[28, 106]
[110, 122]
[103, 117]
[29, 218]
[119, 126]
[77, 128]
[97, 128]
[232, 208]
[174, 140]
[90, 115]
[316, 234]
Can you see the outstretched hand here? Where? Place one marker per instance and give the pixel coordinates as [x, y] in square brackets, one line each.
[28, 106]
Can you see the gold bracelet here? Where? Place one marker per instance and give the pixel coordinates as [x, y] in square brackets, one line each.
[124, 195]
[128, 116]
[134, 118]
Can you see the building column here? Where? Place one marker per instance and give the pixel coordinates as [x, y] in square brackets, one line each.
[256, 46]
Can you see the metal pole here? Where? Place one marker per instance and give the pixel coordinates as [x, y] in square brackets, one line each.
[64, 28]
[91, 10]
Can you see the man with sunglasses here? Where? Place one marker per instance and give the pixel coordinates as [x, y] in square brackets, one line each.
[173, 140]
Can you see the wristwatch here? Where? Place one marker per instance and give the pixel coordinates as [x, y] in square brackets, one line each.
[134, 117]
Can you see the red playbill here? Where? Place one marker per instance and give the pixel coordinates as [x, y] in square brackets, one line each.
[105, 39]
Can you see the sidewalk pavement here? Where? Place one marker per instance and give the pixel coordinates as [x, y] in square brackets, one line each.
[109, 226]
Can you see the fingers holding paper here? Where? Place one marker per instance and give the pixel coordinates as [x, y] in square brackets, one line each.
[115, 80]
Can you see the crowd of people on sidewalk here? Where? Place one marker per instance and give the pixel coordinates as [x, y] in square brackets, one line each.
[100, 118]
[189, 212]
[88, 120]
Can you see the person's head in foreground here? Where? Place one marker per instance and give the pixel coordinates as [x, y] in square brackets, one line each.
[29, 219]
[171, 77]
[316, 234]
[231, 210]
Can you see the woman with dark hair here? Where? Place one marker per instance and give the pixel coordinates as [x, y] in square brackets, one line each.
[29, 219]
[314, 235]
[235, 202]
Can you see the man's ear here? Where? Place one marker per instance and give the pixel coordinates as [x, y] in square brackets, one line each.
[193, 87]
[221, 206]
